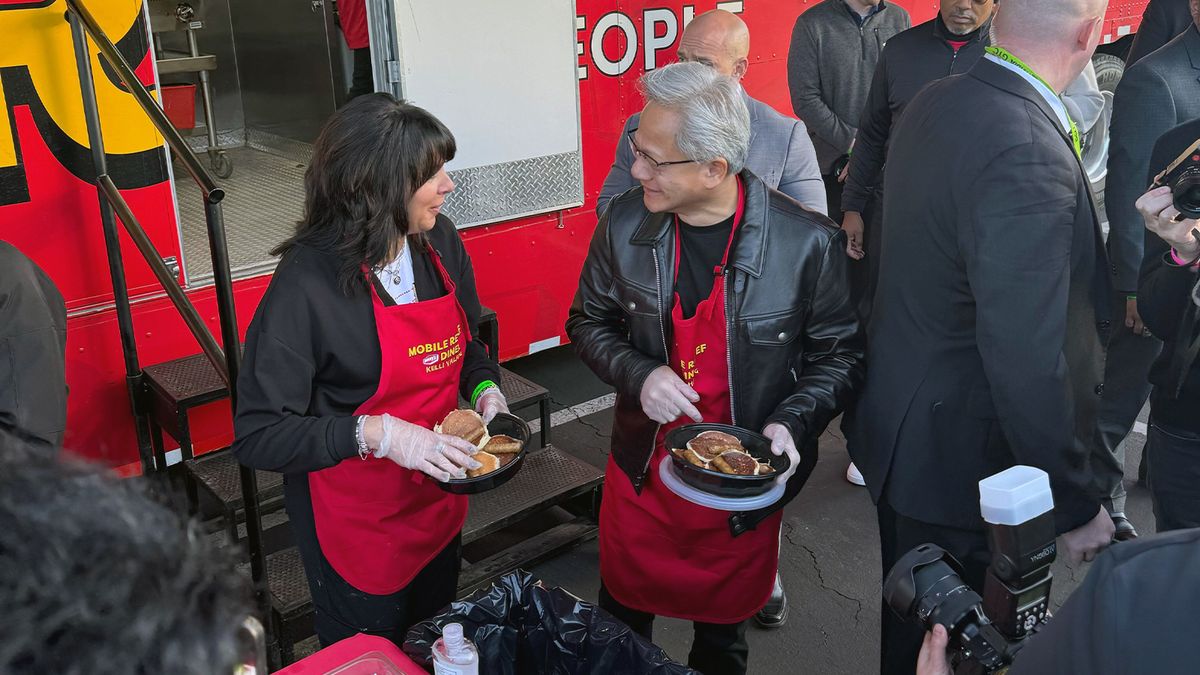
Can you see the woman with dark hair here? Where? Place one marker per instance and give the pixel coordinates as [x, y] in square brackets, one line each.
[362, 343]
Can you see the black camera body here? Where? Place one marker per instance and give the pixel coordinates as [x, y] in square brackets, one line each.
[985, 632]
[1182, 173]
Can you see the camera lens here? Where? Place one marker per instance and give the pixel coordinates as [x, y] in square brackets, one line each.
[924, 584]
[1185, 192]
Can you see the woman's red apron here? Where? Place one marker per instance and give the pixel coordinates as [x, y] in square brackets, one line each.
[379, 524]
[660, 553]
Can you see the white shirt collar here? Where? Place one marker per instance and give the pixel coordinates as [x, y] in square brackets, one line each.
[1051, 97]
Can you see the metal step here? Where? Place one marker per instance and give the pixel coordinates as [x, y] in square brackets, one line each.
[529, 552]
[191, 380]
[548, 478]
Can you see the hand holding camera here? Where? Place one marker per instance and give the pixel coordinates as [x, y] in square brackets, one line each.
[1164, 218]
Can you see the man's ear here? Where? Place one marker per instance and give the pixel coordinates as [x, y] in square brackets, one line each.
[715, 172]
[743, 65]
[1089, 33]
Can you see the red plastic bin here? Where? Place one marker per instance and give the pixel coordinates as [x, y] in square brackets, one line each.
[179, 103]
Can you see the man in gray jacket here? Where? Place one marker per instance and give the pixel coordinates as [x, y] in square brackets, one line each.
[781, 153]
[834, 49]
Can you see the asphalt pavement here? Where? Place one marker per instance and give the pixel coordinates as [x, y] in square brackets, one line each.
[829, 556]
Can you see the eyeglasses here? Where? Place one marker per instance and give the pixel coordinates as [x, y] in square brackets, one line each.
[654, 163]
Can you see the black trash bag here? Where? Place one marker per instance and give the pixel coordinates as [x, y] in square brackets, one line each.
[521, 627]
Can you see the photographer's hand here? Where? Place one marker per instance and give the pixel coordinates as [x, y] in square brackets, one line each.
[1163, 219]
[1086, 541]
[932, 659]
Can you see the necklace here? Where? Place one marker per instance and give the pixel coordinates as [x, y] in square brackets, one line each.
[396, 271]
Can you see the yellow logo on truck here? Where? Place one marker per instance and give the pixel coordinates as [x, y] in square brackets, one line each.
[37, 68]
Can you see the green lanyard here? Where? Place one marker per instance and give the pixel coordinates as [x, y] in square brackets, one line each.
[1005, 55]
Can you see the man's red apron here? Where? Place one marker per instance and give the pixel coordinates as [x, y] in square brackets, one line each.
[660, 553]
[379, 524]
[352, 14]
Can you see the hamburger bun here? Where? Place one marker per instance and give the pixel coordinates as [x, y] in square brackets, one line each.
[466, 424]
[488, 461]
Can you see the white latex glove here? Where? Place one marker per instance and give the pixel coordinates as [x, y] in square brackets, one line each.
[1086, 541]
[782, 444]
[665, 397]
[413, 447]
[490, 403]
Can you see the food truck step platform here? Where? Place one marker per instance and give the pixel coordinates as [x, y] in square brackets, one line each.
[550, 477]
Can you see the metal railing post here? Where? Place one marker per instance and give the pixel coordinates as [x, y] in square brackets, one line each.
[81, 20]
[112, 244]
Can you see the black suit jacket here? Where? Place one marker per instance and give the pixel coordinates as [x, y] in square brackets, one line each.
[1161, 22]
[1156, 94]
[984, 348]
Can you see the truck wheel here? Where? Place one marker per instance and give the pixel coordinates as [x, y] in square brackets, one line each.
[1109, 69]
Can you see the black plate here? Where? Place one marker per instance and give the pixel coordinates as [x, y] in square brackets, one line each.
[509, 425]
[722, 484]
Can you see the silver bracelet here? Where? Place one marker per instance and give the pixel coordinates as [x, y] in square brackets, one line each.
[360, 437]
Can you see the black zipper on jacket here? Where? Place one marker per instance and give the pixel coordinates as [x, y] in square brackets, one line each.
[662, 331]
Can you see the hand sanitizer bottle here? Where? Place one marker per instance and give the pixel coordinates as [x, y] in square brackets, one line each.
[453, 654]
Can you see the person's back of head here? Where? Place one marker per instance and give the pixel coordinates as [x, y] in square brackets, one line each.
[1060, 36]
[98, 578]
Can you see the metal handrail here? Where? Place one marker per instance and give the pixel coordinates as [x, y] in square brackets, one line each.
[212, 192]
[81, 20]
[191, 317]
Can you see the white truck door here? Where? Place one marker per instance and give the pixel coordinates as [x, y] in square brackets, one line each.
[502, 76]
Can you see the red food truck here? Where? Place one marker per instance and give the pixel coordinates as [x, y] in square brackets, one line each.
[536, 92]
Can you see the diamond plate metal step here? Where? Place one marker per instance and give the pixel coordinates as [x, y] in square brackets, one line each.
[529, 552]
[549, 477]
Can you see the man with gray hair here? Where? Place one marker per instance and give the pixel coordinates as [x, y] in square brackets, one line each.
[708, 297]
[985, 332]
[781, 153]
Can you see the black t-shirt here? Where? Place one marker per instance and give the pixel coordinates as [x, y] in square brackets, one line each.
[700, 251]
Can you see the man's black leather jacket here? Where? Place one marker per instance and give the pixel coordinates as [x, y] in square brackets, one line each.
[795, 349]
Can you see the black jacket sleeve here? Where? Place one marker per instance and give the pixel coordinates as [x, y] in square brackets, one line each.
[1156, 29]
[274, 427]
[870, 145]
[33, 331]
[1164, 289]
[831, 373]
[1017, 247]
[596, 324]
[831, 367]
[1142, 110]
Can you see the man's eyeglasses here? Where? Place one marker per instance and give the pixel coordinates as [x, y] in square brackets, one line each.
[654, 163]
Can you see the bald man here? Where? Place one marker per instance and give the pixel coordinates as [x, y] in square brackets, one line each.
[781, 152]
[985, 336]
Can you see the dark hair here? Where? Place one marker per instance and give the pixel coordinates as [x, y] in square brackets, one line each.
[369, 159]
[96, 577]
